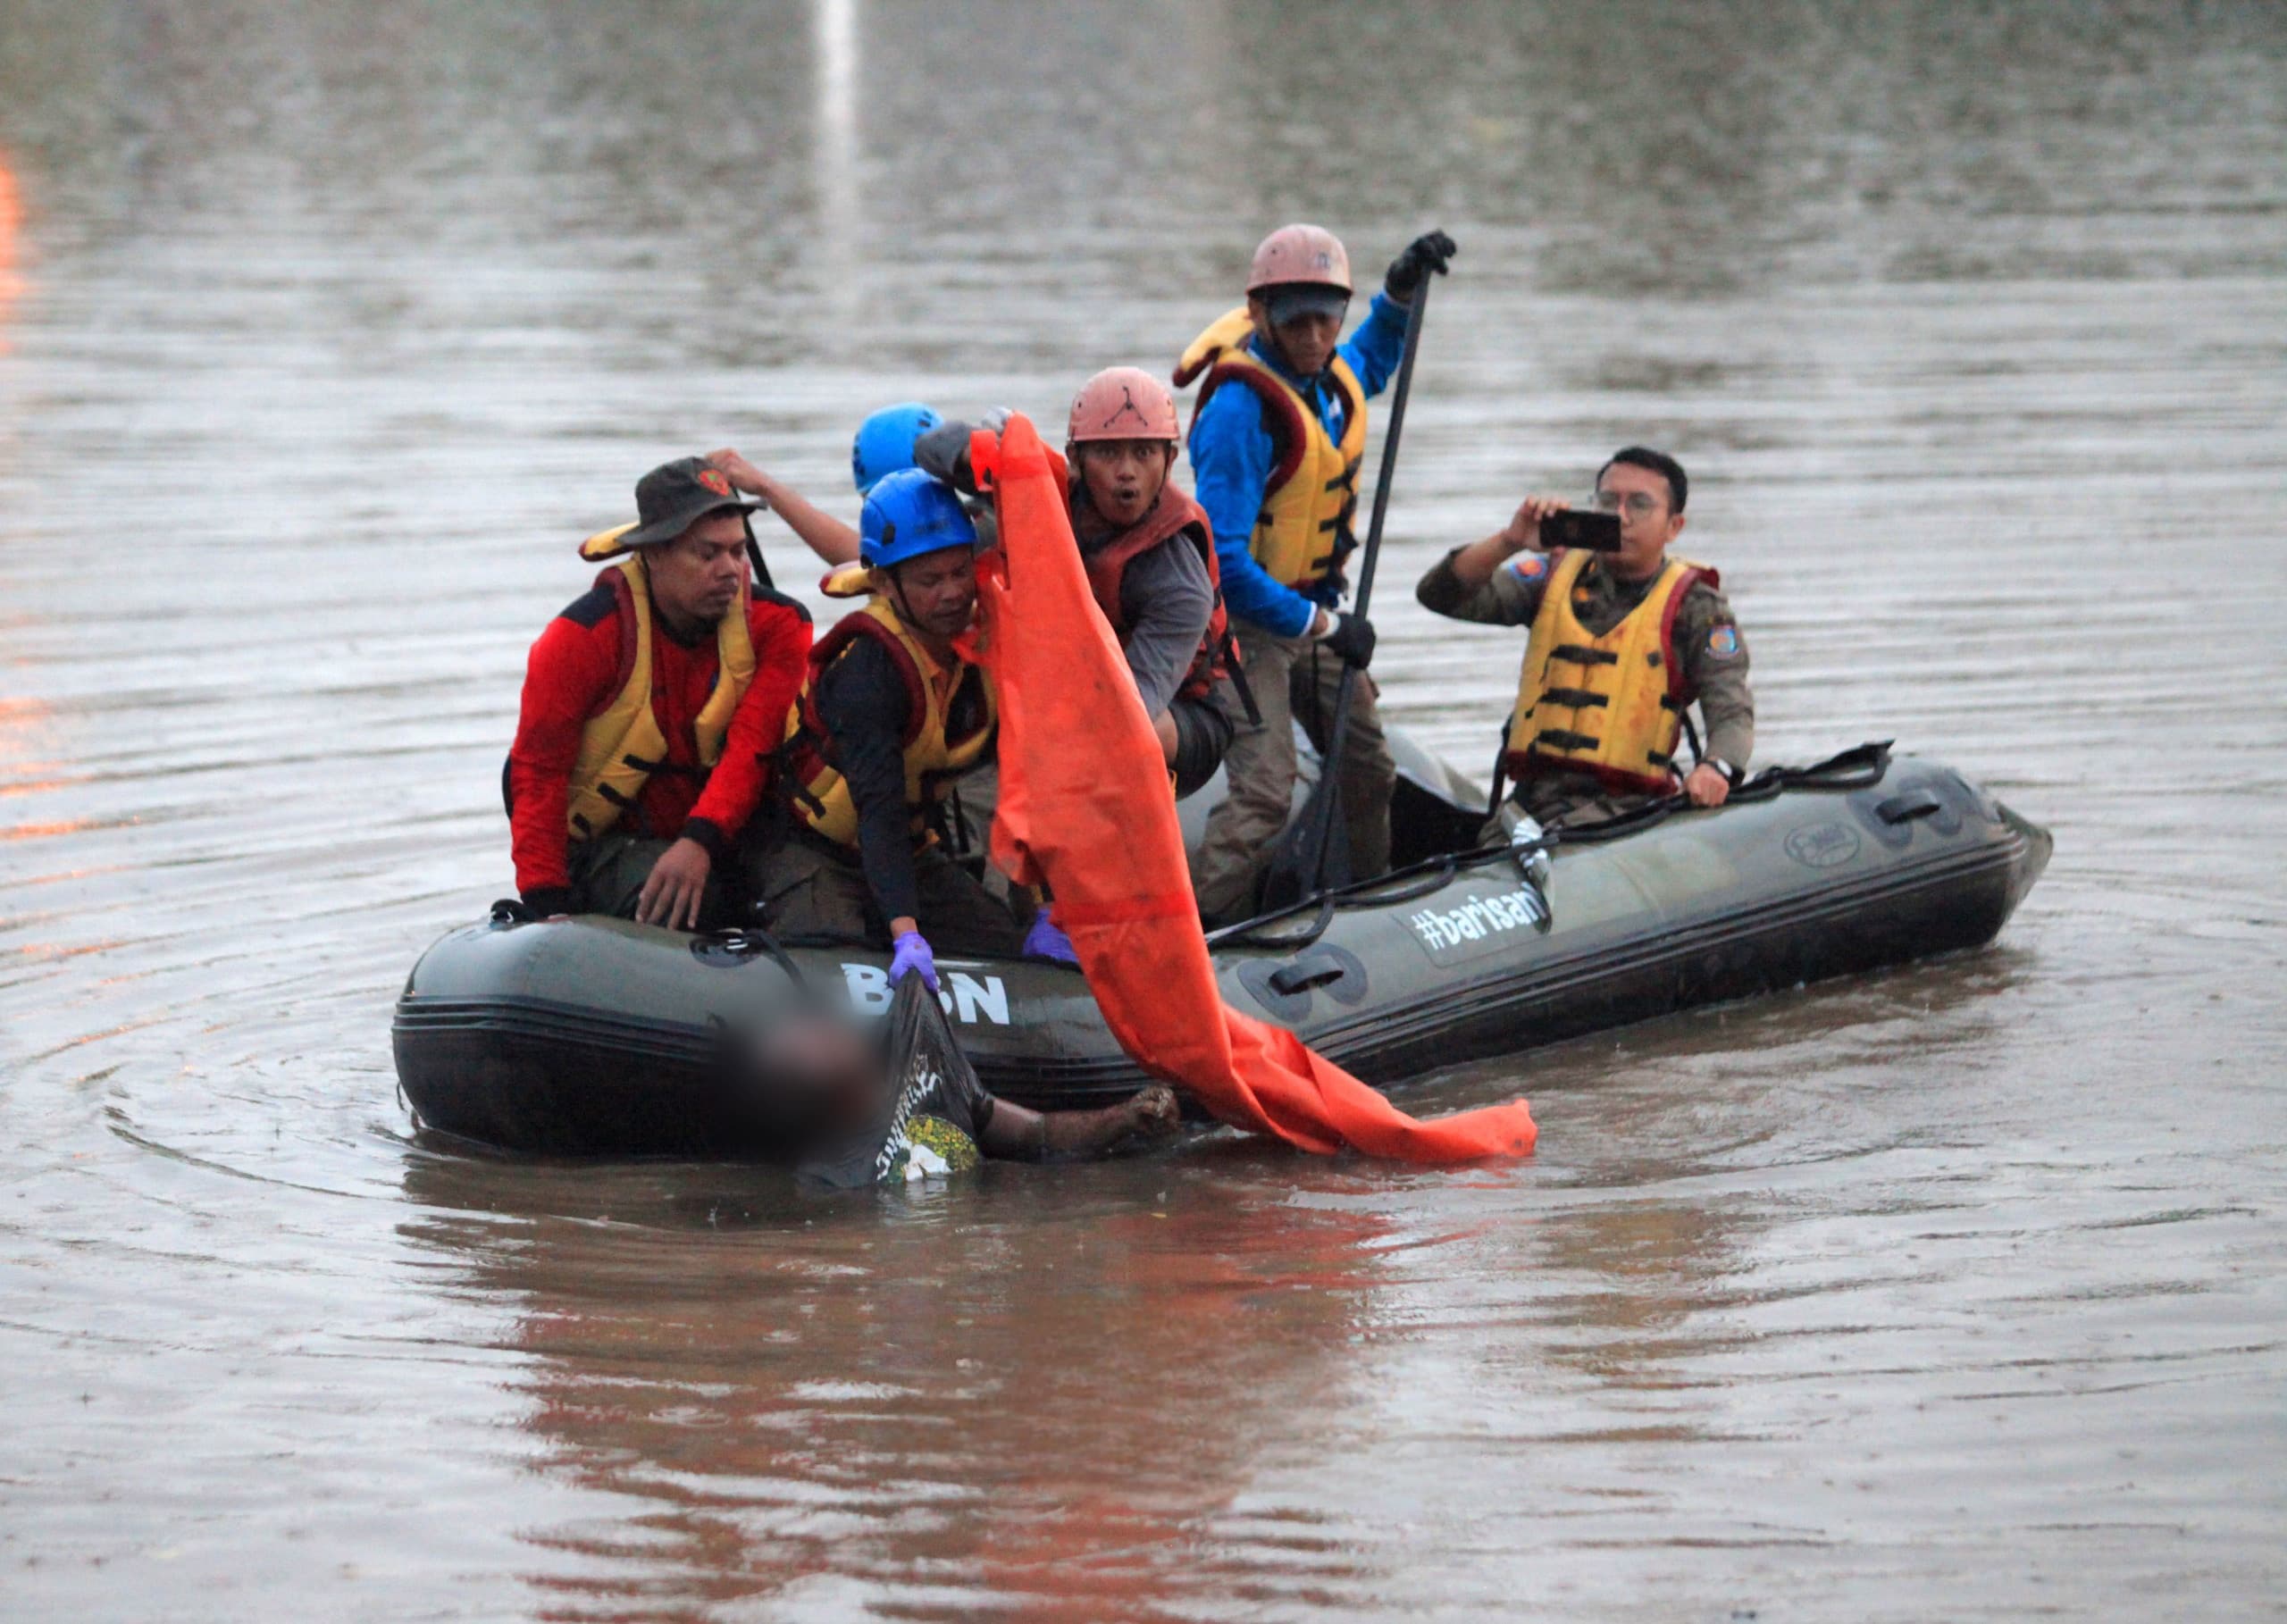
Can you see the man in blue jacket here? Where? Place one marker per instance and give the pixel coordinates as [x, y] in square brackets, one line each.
[1276, 466]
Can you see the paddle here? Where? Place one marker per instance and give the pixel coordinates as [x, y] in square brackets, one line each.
[1298, 867]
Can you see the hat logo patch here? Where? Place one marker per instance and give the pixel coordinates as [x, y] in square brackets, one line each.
[714, 480]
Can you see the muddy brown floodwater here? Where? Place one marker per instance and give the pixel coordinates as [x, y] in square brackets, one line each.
[1954, 1293]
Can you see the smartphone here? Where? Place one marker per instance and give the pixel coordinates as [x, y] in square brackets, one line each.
[1591, 532]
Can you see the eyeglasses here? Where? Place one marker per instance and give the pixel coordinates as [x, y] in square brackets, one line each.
[1636, 505]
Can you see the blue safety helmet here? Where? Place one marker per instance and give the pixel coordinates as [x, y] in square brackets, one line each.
[908, 514]
[884, 442]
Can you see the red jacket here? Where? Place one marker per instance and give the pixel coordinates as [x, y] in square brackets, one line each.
[574, 675]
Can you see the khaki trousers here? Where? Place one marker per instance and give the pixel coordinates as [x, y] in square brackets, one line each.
[1291, 679]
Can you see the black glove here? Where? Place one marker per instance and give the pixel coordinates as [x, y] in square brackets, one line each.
[1428, 252]
[1353, 638]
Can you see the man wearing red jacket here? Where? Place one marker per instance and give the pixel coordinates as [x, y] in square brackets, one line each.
[653, 711]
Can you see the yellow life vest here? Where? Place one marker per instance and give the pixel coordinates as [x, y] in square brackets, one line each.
[933, 755]
[1302, 530]
[622, 745]
[1609, 706]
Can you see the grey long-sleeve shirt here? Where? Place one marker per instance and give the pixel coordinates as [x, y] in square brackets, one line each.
[1167, 600]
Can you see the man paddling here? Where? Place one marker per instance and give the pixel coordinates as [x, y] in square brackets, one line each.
[1623, 645]
[1276, 468]
[652, 710]
[893, 711]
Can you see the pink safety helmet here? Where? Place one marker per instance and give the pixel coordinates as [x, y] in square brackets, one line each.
[1297, 254]
[1122, 403]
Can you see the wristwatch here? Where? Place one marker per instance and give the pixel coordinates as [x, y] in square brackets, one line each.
[1732, 775]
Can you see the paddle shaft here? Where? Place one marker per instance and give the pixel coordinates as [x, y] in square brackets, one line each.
[1330, 759]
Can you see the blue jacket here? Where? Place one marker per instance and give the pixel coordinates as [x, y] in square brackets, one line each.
[1231, 453]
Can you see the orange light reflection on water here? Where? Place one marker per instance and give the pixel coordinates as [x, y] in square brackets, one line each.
[12, 221]
[28, 766]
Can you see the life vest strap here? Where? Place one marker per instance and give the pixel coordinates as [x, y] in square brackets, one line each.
[1580, 654]
[1577, 697]
[1563, 739]
[1233, 668]
[680, 769]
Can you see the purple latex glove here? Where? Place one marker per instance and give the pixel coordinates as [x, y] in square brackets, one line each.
[913, 954]
[1046, 940]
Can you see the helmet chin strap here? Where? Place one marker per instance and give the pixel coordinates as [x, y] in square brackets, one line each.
[904, 608]
[897, 590]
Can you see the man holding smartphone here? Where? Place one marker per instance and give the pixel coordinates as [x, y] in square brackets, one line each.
[1625, 639]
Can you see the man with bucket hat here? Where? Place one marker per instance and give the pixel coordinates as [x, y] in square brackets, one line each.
[1275, 464]
[653, 706]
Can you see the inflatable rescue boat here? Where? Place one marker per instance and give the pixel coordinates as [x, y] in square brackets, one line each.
[595, 1036]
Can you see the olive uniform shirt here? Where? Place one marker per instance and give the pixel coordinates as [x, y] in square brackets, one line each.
[1708, 643]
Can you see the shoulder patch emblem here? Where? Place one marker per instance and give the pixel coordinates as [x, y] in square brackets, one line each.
[1724, 643]
[1529, 566]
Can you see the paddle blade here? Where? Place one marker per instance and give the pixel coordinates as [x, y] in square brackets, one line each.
[1306, 862]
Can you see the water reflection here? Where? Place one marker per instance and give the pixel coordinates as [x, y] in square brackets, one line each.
[330, 328]
[837, 186]
[1030, 1389]
[11, 225]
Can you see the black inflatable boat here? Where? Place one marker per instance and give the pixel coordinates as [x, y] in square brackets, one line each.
[593, 1036]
